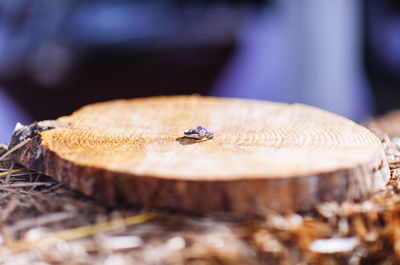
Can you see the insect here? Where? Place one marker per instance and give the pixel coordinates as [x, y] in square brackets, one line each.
[199, 133]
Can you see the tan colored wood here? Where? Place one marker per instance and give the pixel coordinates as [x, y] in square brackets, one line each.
[264, 155]
[388, 124]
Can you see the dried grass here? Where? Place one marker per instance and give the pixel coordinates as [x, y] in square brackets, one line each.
[43, 222]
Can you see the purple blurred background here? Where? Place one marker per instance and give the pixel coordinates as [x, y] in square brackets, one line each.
[56, 56]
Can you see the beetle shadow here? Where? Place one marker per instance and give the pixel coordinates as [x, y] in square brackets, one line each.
[188, 141]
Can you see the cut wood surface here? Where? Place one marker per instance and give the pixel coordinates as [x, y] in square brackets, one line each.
[263, 155]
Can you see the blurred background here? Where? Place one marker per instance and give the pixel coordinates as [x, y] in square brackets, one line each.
[56, 56]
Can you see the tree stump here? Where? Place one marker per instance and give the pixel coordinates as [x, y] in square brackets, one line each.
[264, 156]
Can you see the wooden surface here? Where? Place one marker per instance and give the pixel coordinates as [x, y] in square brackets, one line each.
[264, 155]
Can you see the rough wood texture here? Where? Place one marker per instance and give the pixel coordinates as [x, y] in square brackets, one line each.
[263, 156]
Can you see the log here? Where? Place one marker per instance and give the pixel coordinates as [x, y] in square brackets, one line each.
[264, 156]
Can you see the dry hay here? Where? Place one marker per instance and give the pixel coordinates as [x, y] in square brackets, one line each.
[43, 222]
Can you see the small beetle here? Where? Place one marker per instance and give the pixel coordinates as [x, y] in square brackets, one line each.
[199, 133]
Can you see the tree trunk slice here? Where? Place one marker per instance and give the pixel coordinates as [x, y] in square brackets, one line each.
[264, 155]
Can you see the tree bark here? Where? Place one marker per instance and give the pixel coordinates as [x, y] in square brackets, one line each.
[264, 156]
